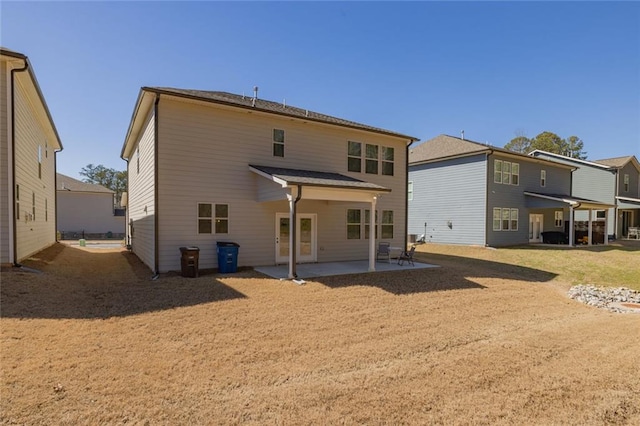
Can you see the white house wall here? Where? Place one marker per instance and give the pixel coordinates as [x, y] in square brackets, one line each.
[33, 234]
[5, 202]
[91, 212]
[141, 207]
[204, 156]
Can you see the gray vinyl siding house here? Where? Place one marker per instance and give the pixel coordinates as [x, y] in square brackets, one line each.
[207, 167]
[464, 192]
[604, 181]
[29, 142]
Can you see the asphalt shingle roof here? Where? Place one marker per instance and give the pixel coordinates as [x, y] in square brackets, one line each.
[313, 178]
[258, 104]
[615, 162]
[66, 183]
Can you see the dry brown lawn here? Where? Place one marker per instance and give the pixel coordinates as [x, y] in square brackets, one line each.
[92, 340]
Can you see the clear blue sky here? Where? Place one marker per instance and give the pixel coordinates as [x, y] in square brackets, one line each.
[493, 69]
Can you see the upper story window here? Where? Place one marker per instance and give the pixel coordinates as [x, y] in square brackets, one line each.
[410, 190]
[354, 156]
[138, 159]
[371, 159]
[387, 161]
[377, 159]
[506, 173]
[46, 149]
[33, 205]
[626, 183]
[278, 143]
[17, 201]
[543, 178]
[40, 161]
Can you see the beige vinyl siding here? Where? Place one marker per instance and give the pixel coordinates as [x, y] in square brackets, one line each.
[141, 208]
[204, 156]
[5, 202]
[33, 131]
[91, 212]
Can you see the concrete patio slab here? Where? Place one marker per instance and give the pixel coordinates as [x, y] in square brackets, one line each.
[310, 270]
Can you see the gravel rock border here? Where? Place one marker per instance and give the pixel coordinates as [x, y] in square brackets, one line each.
[610, 298]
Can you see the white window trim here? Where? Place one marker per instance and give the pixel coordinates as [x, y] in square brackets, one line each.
[497, 172]
[543, 178]
[410, 190]
[359, 224]
[349, 156]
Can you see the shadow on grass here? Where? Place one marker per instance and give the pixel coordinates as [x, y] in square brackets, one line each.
[75, 283]
[455, 273]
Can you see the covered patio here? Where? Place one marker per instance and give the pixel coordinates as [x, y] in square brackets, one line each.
[310, 270]
[573, 203]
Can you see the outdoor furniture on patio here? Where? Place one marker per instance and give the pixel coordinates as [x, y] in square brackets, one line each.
[633, 232]
[407, 256]
[384, 251]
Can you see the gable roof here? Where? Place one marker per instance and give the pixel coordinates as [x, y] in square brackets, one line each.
[445, 147]
[619, 162]
[13, 55]
[66, 183]
[255, 104]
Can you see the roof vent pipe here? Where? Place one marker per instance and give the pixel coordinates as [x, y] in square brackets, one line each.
[462, 134]
[255, 95]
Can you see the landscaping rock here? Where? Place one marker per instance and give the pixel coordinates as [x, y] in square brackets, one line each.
[606, 298]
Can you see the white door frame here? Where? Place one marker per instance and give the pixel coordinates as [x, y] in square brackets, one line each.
[532, 227]
[313, 257]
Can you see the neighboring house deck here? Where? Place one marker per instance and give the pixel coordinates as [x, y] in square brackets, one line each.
[614, 181]
[287, 184]
[465, 192]
[86, 210]
[29, 143]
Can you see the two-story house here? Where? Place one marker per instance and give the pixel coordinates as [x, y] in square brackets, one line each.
[29, 142]
[287, 184]
[465, 192]
[614, 181]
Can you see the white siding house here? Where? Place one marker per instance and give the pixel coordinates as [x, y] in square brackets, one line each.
[28, 145]
[86, 210]
[212, 166]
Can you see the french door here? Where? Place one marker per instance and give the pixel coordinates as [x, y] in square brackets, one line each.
[305, 237]
[536, 222]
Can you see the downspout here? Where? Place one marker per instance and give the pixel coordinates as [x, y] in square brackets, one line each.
[486, 201]
[406, 197]
[156, 243]
[293, 224]
[615, 209]
[13, 161]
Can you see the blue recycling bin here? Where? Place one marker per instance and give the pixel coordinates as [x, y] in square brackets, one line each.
[227, 256]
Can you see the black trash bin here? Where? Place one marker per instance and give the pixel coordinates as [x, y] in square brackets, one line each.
[189, 261]
[227, 257]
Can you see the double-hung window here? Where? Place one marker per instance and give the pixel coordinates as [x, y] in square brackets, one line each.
[505, 219]
[40, 161]
[367, 224]
[354, 156]
[543, 178]
[626, 183]
[387, 224]
[33, 205]
[506, 173]
[353, 224]
[497, 171]
[371, 159]
[559, 219]
[410, 191]
[387, 161]
[278, 143]
[515, 173]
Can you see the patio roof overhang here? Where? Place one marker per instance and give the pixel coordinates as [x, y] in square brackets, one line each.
[321, 185]
[576, 203]
[628, 202]
[299, 184]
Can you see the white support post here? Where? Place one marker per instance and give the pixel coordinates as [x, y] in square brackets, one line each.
[372, 236]
[292, 219]
[571, 230]
[606, 227]
[590, 227]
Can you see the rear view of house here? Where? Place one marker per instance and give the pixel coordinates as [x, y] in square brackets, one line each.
[86, 210]
[465, 192]
[29, 142]
[615, 181]
[287, 184]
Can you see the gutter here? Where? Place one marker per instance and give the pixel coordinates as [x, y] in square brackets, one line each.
[13, 160]
[406, 196]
